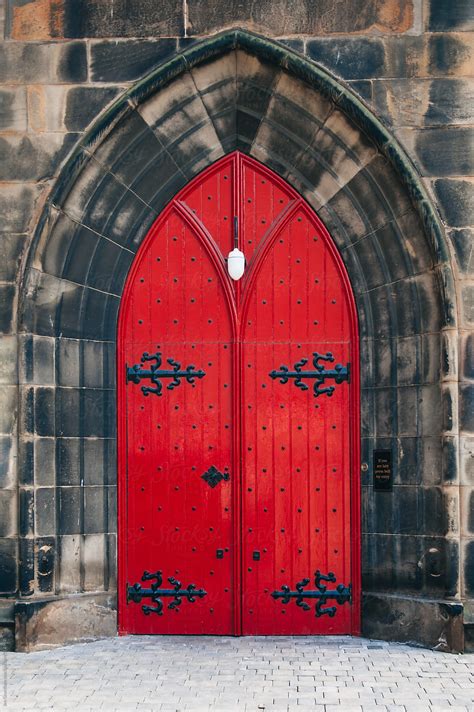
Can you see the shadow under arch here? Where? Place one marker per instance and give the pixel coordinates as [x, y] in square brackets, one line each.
[240, 91]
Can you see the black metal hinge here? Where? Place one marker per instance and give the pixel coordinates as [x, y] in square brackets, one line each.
[136, 593]
[339, 373]
[341, 594]
[155, 374]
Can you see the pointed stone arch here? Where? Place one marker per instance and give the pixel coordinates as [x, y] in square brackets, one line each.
[240, 91]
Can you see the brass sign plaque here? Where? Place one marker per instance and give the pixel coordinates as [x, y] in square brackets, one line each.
[383, 473]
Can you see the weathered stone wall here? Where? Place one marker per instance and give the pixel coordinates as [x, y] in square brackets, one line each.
[61, 64]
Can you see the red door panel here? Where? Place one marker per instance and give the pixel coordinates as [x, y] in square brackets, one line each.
[212, 200]
[262, 201]
[229, 478]
[175, 521]
[296, 469]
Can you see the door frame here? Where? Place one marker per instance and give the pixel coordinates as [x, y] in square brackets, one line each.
[233, 301]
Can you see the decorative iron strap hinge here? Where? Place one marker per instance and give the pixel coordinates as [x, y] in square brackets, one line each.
[136, 593]
[341, 594]
[136, 373]
[339, 373]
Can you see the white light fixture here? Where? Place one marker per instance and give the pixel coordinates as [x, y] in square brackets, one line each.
[236, 263]
[236, 258]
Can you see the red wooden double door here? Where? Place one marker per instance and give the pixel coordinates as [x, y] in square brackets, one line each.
[238, 418]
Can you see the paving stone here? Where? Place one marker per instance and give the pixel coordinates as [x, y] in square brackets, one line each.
[126, 674]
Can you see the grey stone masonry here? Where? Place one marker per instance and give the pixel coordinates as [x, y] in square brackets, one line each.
[196, 674]
[69, 231]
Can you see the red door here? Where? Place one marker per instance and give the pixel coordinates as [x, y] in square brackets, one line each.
[238, 418]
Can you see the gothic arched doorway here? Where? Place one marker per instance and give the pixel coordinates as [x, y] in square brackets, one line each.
[238, 413]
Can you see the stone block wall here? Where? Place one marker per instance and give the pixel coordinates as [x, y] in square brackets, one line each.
[62, 63]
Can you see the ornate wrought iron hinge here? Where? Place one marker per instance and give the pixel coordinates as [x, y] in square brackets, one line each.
[339, 373]
[341, 594]
[212, 476]
[155, 374]
[136, 593]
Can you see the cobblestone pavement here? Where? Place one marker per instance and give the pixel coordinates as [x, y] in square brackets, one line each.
[197, 673]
